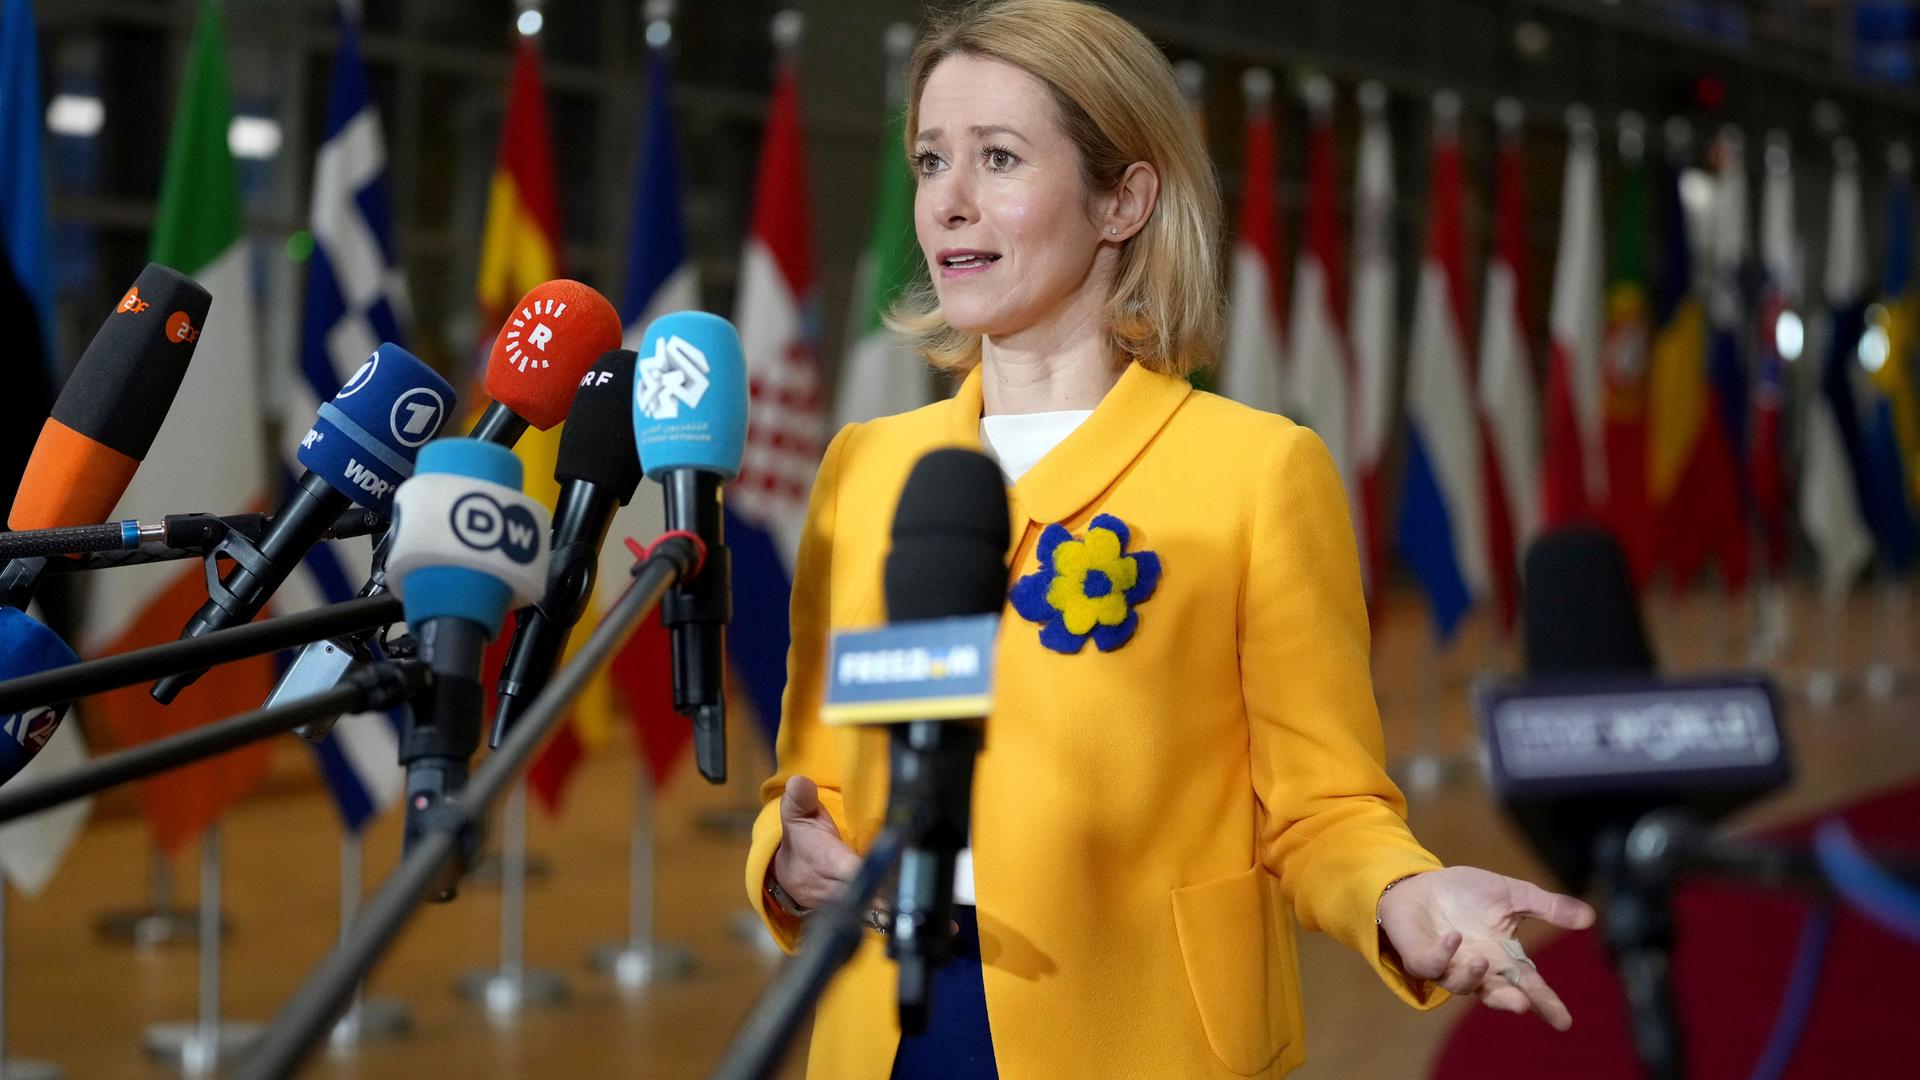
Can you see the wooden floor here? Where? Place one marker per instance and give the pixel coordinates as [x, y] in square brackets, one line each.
[83, 1003]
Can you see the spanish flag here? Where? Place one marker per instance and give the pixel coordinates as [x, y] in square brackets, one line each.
[520, 248]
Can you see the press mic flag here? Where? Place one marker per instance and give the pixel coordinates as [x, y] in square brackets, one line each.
[34, 744]
[113, 404]
[690, 396]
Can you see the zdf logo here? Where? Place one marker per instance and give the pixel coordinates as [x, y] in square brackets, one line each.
[180, 328]
[131, 304]
[674, 375]
[482, 524]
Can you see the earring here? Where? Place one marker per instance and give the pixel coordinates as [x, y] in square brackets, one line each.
[1111, 231]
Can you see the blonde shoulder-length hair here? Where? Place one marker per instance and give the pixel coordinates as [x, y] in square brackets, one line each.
[1119, 103]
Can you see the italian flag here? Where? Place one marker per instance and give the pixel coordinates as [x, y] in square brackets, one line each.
[210, 455]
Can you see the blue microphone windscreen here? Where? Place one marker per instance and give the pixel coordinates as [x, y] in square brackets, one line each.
[27, 647]
[473, 457]
[365, 440]
[690, 395]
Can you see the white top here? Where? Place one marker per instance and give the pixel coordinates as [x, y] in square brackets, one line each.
[1017, 441]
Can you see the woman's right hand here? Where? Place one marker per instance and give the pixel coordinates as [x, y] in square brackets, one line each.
[812, 863]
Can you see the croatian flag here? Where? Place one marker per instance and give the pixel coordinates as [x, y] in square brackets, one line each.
[356, 299]
[1443, 522]
[778, 315]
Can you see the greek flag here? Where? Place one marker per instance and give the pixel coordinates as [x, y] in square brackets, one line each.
[356, 299]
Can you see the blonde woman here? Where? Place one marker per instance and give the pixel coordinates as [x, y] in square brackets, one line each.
[1184, 756]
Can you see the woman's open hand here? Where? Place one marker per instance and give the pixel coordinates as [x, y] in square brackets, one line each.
[812, 863]
[1455, 927]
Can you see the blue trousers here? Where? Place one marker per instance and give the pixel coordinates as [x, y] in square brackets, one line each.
[957, 1044]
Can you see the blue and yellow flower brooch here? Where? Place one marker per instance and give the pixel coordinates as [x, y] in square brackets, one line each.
[1087, 587]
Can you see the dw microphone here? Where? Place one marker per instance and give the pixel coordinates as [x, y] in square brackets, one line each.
[467, 543]
[360, 448]
[690, 421]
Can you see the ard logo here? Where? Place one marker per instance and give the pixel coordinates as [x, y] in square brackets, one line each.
[527, 347]
[131, 304]
[180, 329]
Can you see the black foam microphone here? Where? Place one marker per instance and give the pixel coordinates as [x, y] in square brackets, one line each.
[1581, 614]
[598, 468]
[949, 558]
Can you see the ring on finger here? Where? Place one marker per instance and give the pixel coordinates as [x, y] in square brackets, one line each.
[1514, 950]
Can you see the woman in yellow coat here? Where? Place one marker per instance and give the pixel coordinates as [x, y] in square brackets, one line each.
[1183, 757]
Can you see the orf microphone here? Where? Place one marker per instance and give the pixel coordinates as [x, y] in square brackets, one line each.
[690, 421]
[598, 469]
[113, 404]
[948, 559]
[27, 647]
[360, 448]
[543, 349]
[467, 543]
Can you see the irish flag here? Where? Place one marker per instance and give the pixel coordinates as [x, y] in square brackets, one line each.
[1251, 367]
[210, 455]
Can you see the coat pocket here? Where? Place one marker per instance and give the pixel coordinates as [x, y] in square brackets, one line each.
[1227, 943]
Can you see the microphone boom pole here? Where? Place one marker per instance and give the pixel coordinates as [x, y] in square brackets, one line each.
[371, 687]
[309, 1014]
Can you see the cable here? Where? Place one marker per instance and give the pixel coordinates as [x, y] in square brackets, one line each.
[1796, 1001]
[1867, 887]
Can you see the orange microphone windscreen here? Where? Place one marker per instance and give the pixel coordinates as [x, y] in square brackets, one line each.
[549, 341]
[71, 479]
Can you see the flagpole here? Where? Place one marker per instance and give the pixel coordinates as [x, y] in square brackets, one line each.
[19, 1069]
[512, 986]
[367, 1018]
[199, 1047]
[640, 959]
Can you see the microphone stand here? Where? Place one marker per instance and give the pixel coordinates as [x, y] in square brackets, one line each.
[370, 687]
[833, 934]
[305, 1019]
[193, 654]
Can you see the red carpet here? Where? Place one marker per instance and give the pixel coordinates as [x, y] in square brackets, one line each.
[1734, 951]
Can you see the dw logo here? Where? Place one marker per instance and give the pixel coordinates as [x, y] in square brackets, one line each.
[416, 416]
[481, 523]
[675, 374]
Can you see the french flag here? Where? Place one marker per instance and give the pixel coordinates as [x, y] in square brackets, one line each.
[779, 318]
[1443, 521]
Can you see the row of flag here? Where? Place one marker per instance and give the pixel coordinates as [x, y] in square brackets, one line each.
[1660, 405]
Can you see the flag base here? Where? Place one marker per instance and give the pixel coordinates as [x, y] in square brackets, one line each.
[190, 1047]
[29, 1069]
[373, 1020]
[507, 993]
[633, 967]
[147, 928]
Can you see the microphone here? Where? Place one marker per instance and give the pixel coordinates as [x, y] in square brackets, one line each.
[949, 558]
[27, 647]
[598, 468]
[108, 412]
[690, 422]
[467, 543]
[539, 356]
[360, 448]
[543, 349]
[111, 407]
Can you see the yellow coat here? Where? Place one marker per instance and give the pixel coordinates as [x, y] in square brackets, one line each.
[1148, 822]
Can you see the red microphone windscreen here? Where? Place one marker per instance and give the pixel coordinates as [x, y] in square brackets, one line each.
[549, 341]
